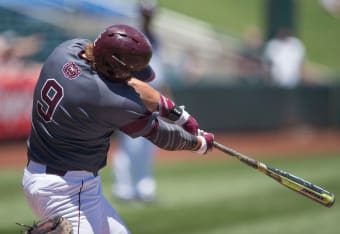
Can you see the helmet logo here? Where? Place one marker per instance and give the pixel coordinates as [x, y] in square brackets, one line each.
[71, 70]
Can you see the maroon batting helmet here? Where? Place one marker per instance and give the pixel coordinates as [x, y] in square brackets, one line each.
[122, 51]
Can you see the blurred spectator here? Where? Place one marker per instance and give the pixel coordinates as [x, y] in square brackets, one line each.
[285, 56]
[132, 162]
[14, 53]
[249, 62]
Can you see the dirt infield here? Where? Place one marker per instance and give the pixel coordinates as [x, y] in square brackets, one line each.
[293, 142]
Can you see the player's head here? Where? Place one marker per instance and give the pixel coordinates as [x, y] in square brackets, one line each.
[121, 52]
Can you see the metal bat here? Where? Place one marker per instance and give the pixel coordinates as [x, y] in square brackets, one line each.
[292, 182]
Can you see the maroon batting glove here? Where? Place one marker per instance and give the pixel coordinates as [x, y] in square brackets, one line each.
[191, 126]
[169, 110]
[207, 142]
[165, 106]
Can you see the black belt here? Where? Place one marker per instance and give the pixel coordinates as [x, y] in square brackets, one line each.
[60, 172]
[55, 171]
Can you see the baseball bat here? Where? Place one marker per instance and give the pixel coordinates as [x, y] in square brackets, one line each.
[291, 181]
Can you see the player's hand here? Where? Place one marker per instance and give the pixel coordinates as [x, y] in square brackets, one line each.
[169, 110]
[207, 142]
[191, 125]
[188, 123]
[147, 94]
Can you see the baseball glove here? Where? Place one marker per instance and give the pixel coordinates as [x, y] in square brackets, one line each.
[54, 225]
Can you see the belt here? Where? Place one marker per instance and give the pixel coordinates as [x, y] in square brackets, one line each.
[59, 172]
[55, 171]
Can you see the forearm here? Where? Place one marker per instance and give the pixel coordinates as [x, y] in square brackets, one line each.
[155, 102]
[172, 137]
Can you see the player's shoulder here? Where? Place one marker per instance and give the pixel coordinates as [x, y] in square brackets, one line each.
[68, 49]
[74, 43]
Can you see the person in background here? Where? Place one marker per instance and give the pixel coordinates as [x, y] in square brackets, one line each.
[132, 161]
[284, 56]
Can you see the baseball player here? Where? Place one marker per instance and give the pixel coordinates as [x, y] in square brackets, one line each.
[86, 91]
[132, 161]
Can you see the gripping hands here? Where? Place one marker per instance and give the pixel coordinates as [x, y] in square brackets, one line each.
[207, 142]
[167, 109]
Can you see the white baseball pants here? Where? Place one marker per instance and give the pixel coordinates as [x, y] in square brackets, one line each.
[77, 196]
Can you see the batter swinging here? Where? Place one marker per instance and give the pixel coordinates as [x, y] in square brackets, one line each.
[84, 93]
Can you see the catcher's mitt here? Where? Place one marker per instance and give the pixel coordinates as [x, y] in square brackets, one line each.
[54, 225]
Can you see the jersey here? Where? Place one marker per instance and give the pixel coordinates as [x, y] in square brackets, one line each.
[75, 112]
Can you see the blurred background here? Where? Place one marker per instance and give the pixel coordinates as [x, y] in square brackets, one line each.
[264, 75]
[217, 57]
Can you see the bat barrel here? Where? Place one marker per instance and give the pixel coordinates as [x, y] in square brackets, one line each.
[291, 181]
[302, 186]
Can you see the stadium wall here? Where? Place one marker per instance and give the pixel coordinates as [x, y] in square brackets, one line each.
[260, 107]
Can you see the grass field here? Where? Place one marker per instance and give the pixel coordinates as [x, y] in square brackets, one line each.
[211, 197]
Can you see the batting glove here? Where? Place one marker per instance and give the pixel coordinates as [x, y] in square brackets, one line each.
[207, 142]
[169, 110]
[190, 125]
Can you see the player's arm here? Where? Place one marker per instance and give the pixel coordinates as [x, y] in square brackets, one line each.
[167, 135]
[173, 137]
[154, 101]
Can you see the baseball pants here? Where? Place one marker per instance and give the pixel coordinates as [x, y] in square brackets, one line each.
[77, 196]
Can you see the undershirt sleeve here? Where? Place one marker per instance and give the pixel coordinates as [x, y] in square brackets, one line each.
[171, 137]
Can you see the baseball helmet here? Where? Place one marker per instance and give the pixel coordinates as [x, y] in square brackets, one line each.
[121, 52]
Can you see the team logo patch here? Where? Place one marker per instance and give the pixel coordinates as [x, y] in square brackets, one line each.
[71, 70]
